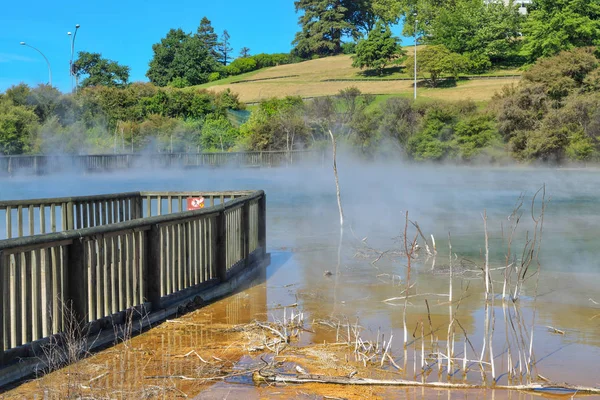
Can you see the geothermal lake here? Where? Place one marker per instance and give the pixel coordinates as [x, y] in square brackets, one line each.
[304, 240]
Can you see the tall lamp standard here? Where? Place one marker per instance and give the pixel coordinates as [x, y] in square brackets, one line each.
[416, 22]
[71, 72]
[47, 62]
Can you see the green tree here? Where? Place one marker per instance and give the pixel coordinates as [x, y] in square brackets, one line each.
[433, 62]
[323, 25]
[473, 134]
[207, 36]
[276, 124]
[426, 12]
[433, 141]
[399, 120]
[180, 55]
[218, 134]
[224, 49]
[18, 124]
[98, 71]
[361, 15]
[555, 25]
[489, 29]
[378, 50]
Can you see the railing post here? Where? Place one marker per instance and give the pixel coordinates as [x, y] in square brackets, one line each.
[262, 223]
[139, 207]
[221, 246]
[77, 287]
[152, 277]
[245, 231]
[3, 302]
[70, 216]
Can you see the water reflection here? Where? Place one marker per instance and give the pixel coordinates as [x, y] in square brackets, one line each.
[303, 237]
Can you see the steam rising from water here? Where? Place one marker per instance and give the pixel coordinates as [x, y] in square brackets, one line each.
[442, 199]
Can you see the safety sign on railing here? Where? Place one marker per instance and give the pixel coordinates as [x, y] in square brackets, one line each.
[195, 203]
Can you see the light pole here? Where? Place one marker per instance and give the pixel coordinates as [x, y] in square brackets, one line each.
[416, 22]
[71, 72]
[47, 62]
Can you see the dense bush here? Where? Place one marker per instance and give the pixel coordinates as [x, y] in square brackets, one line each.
[552, 114]
[97, 118]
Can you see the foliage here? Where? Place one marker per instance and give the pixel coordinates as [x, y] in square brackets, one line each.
[349, 48]
[378, 50]
[433, 62]
[433, 141]
[553, 114]
[98, 117]
[483, 29]
[561, 74]
[217, 134]
[179, 82]
[555, 25]
[270, 60]
[99, 71]
[241, 66]
[399, 120]
[17, 124]
[323, 25]
[207, 36]
[473, 134]
[276, 124]
[181, 55]
[477, 63]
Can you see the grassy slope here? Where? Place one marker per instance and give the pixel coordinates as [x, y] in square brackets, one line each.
[310, 75]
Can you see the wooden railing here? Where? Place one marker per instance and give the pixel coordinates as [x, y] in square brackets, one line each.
[116, 261]
[39, 216]
[45, 164]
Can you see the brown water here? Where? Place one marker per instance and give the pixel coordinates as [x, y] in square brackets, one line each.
[304, 239]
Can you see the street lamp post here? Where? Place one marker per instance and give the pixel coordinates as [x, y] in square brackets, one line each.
[416, 22]
[45, 58]
[71, 72]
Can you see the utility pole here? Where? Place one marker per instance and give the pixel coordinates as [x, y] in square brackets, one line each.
[416, 23]
[71, 70]
[47, 62]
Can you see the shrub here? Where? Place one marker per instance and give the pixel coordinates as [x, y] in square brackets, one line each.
[349, 48]
[179, 82]
[243, 65]
[214, 76]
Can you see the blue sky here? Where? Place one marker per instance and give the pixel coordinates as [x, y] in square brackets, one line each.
[125, 30]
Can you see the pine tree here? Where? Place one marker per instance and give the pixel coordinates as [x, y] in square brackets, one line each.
[207, 36]
[224, 49]
[323, 25]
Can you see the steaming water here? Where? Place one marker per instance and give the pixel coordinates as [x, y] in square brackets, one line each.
[303, 237]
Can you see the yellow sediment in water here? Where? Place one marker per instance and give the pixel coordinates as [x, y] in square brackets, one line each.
[176, 359]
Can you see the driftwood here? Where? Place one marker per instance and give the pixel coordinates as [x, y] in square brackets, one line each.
[266, 376]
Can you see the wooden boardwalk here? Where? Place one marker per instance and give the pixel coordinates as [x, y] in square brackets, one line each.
[100, 261]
